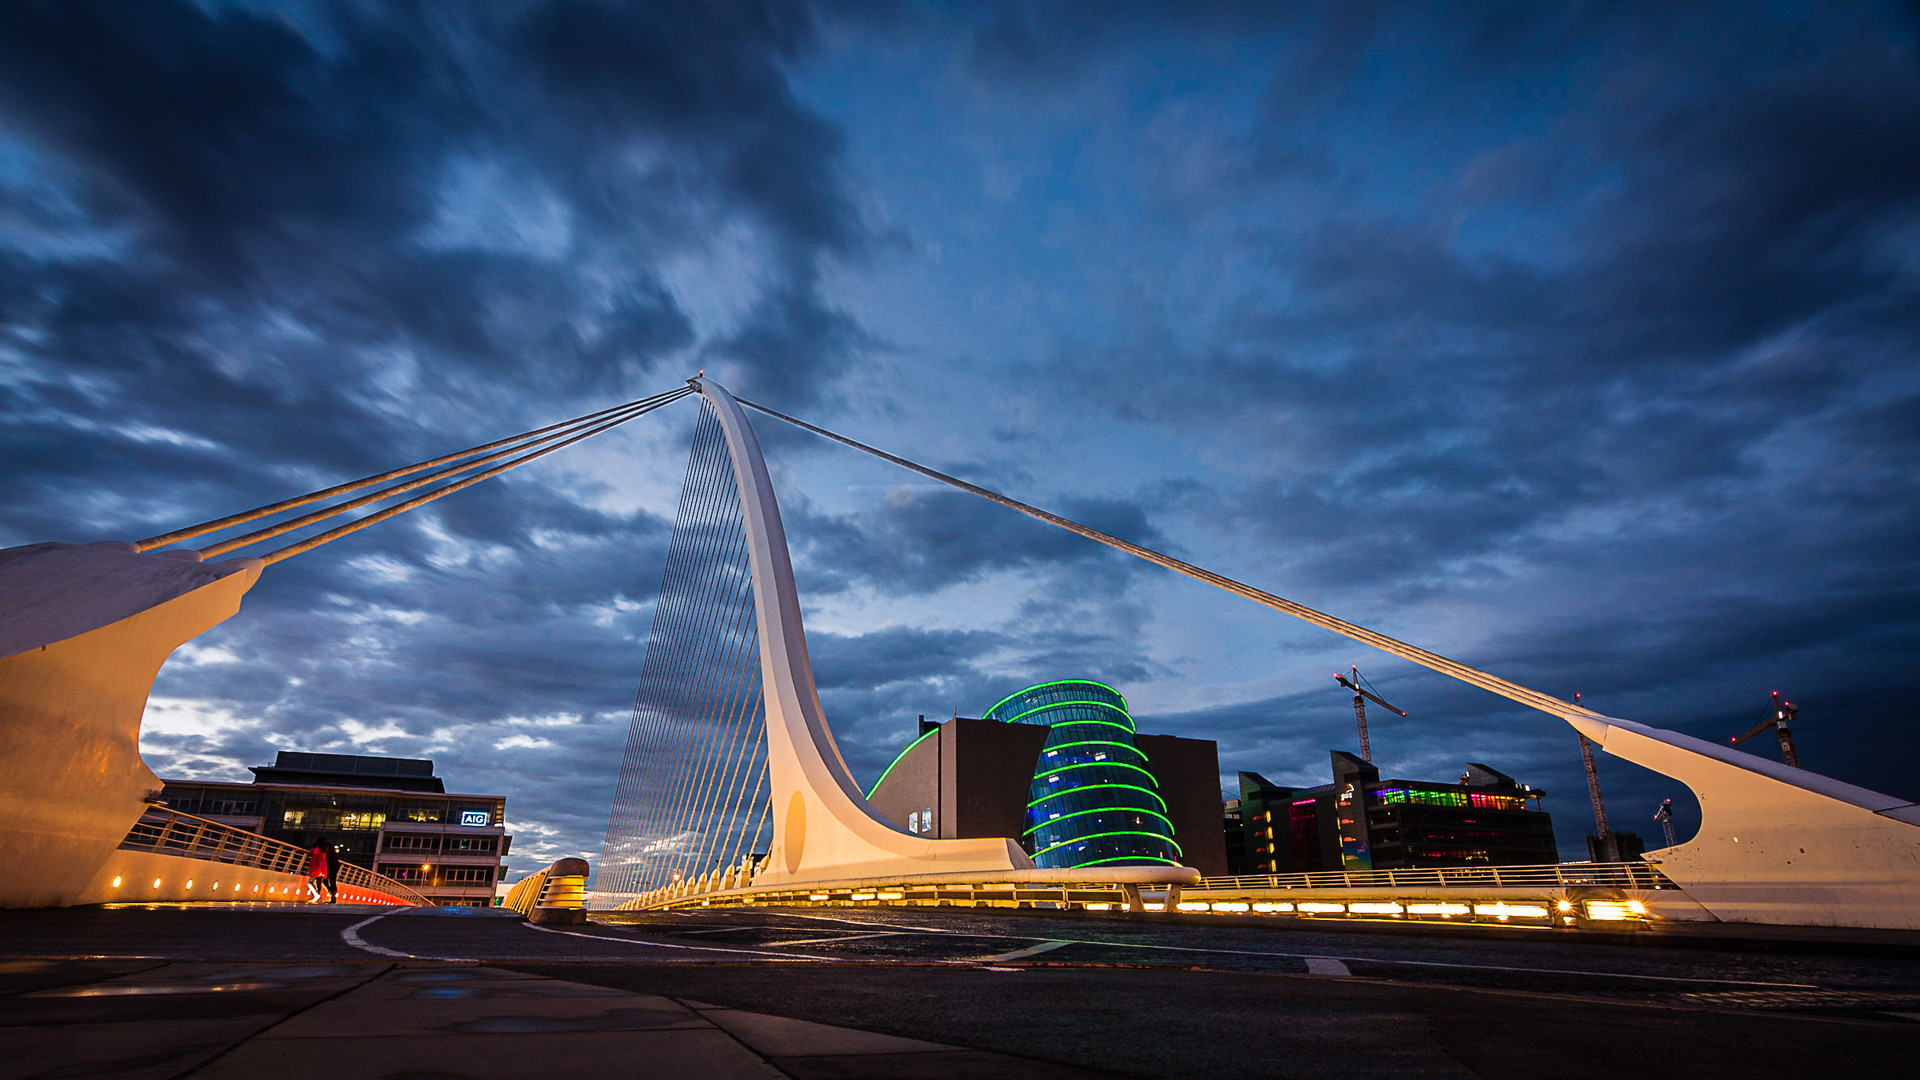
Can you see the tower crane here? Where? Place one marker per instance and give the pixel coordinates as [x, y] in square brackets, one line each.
[1779, 715]
[1361, 696]
[1593, 782]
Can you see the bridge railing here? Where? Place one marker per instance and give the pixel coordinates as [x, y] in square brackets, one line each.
[170, 832]
[1551, 876]
[557, 893]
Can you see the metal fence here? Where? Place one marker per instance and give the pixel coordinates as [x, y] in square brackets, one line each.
[1556, 875]
[170, 832]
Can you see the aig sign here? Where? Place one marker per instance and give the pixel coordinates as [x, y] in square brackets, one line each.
[475, 817]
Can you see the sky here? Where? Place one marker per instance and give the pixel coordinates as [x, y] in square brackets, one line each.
[1575, 341]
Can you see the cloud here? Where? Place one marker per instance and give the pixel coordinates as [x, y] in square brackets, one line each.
[1577, 341]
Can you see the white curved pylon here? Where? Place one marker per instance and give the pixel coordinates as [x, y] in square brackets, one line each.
[823, 827]
[1777, 844]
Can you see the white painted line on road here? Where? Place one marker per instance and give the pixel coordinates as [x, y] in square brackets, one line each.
[832, 940]
[1031, 950]
[1327, 965]
[664, 945]
[888, 925]
[351, 935]
[1303, 956]
[1462, 967]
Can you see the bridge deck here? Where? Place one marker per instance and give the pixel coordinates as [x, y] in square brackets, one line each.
[296, 991]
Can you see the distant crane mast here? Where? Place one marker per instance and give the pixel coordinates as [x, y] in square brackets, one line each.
[1779, 715]
[1361, 696]
[1593, 782]
[1664, 815]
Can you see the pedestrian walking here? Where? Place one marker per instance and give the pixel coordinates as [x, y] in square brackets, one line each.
[333, 875]
[318, 866]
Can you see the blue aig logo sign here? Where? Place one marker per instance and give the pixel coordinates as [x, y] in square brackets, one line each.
[475, 817]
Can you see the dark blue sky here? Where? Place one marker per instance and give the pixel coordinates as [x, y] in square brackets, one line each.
[1574, 341]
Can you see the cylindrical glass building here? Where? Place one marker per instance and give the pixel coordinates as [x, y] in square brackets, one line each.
[1094, 801]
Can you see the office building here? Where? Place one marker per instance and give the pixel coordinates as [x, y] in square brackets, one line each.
[1361, 822]
[390, 815]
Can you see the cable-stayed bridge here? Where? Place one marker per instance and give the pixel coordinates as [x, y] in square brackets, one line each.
[731, 788]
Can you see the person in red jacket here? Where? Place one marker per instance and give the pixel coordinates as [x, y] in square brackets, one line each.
[318, 862]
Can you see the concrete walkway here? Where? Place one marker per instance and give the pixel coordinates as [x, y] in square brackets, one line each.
[408, 1021]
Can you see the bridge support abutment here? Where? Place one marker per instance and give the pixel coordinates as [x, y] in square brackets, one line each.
[83, 632]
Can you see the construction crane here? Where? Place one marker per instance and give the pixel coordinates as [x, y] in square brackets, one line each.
[1664, 815]
[1593, 782]
[1779, 715]
[1361, 696]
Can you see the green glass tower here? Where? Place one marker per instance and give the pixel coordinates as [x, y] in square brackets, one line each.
[1094, 800]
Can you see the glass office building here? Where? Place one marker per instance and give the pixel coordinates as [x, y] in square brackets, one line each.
[1093, 800]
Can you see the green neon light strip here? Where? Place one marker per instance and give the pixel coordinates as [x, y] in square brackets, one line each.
[1099, 742]
[1057, 682]
[1097, 764]
[1103, 723]
[1100, 810]
[904, 753]
[1124, 858]
[1063, 704]
[1090, 787]
[1122, 832]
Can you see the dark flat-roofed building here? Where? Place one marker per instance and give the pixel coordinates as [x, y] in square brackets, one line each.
[969, 777]
[389, 815]
[1361, 822]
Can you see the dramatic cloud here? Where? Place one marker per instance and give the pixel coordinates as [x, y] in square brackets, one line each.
[1576, 341]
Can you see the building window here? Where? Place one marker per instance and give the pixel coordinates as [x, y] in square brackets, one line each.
[412, 842]
[466, 875]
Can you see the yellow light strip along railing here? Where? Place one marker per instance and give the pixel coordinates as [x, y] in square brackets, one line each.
[1552, 875]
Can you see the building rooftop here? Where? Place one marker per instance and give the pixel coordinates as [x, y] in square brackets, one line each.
[349, 770]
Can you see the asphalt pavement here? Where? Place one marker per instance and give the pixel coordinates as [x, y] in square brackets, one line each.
[976, 992]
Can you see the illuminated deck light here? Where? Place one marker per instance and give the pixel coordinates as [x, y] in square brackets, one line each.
[1099, 907]
[156, 883]
[1608, 911]
[1445, 910]
[1232, 905]
[1368, 907]
[1266, 906]
[1314, 907]
[1155, 907]
[116, 881]
[891, 895]
[1192, 905]
[1503, 910]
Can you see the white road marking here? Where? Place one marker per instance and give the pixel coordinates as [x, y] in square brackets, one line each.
[1327, 965]
[351, 935]
[834, 940]
[1303, 956]
[665, 945]
[1031, 950]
